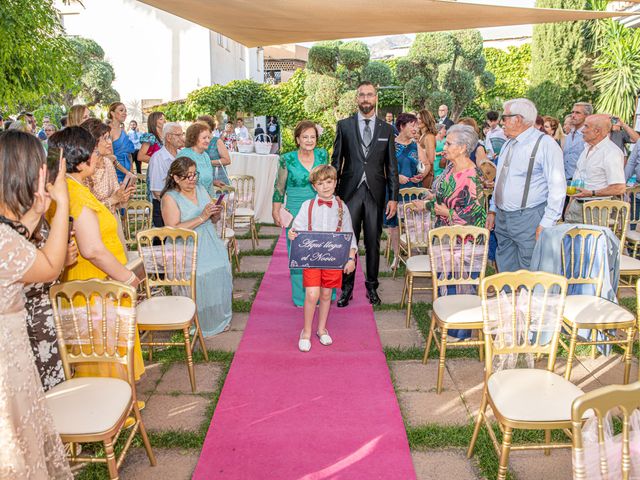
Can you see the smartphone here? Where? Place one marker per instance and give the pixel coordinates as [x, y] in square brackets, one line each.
[128, 181]
[70, 228]
[614, 120]
[220, 198]
[53, 163]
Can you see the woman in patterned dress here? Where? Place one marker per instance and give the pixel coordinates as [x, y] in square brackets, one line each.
[30, 448]
[292, 182]
[459, 195]
[41, 327]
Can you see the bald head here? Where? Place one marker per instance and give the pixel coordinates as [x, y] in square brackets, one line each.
[596, 128]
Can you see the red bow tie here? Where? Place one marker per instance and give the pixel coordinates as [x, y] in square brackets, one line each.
[328, 203]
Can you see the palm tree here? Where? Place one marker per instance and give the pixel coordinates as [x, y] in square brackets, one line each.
[616, 66]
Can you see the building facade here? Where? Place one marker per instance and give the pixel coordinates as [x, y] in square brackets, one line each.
[281, 62]
[159, 57]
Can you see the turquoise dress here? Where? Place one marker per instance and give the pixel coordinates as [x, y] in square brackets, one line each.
[219, 173]
[203, 166]
[293, 182]
[214, 284]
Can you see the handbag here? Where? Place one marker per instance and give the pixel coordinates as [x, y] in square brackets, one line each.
[285, 217]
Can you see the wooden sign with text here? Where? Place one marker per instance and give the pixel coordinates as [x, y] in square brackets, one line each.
[326, 250]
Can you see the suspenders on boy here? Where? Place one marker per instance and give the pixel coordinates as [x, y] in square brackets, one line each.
[340, 214]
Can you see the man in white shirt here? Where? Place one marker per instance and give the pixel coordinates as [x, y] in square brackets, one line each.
[495, 137]
[159, 164]
[241, 131]
[600, 166]
[530, 187]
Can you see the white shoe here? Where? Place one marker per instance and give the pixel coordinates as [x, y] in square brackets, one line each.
[451, 339]
[325, 339]
[304, 344]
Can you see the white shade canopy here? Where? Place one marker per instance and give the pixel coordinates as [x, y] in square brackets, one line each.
[254, 23]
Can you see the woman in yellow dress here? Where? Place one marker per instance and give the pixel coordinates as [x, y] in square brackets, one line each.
[101, 253]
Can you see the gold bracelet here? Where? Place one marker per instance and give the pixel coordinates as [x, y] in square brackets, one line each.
[131, 279]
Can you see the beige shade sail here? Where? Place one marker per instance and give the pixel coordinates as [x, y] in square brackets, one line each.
[261, 23]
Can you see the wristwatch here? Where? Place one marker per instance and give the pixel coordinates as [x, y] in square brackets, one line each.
[352, 259]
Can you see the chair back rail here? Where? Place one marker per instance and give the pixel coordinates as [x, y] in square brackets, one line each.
[137, 216]
[95, 322]
[608, 213]
[503, 295]
[416, 226]
[169, 255]
[245, 190]
[582, 243]
[623, 400]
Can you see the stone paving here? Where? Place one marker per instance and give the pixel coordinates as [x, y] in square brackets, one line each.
[172, 408]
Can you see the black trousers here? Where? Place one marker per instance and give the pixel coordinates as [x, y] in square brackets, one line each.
[157, 220]
[136, 162]
[366, 214]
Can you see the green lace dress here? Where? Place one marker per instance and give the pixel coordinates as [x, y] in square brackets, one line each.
[292, 182]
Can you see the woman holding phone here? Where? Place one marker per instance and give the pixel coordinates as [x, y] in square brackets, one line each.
[187, 204]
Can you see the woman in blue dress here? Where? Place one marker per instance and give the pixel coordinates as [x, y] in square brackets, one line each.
[217, 151]
[292, 182]
[187, 204]
[122, 146]
[197, 141]
[408, 174]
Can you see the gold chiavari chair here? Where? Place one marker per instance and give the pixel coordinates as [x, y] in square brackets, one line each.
[619, 400]
[228, 234]
[137, 216]
[171, 263]
[592, 312]
[245, 196]
[615, 215]
[141, 187]
[95, 322]
[633, 233]
[406, 195]
[522, 314]
[458, 259]
[417, 224]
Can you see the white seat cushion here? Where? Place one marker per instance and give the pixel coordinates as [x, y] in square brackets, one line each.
[403, 239]
[458, 308]
[529, 394]
[628, 263]
[633, 235]
[165, 310]
[132, 255]
[419, 263]
[244, 212]
[229, 233]
[588, 309]
[88, 405]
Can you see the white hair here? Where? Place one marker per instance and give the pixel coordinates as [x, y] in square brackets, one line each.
[465, 135]
[523, 107]
[168, 127]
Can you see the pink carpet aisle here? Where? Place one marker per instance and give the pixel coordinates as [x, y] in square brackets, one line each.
[327, 414]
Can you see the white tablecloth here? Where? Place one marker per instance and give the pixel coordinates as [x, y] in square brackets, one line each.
[263, 168]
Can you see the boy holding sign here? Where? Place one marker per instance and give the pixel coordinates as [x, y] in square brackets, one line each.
[324, 213]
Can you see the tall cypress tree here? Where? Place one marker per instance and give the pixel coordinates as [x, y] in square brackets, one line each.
[558, 62]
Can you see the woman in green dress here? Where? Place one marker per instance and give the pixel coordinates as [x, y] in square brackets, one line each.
[293, 183]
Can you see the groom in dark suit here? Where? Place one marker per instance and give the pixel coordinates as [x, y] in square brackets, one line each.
[364, 154]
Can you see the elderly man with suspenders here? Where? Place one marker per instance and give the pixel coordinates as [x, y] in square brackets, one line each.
[530, 187]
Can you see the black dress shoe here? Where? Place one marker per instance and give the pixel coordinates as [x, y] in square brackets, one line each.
[373, 297]
[346, 296]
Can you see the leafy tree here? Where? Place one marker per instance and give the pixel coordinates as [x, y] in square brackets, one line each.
[378, 73]
[445, 67]
[94, 85]
[510, 69]
[323, 57]
[558, 62]
[36, 59]
[617, 64]
[353, 55]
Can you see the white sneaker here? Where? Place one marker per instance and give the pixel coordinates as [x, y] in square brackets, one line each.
[304, 344]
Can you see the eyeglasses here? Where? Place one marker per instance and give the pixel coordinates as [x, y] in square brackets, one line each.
[450, 144]
[366, 95]
[191, 176]
[504, 116]
[176, 134]
[577, 112]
